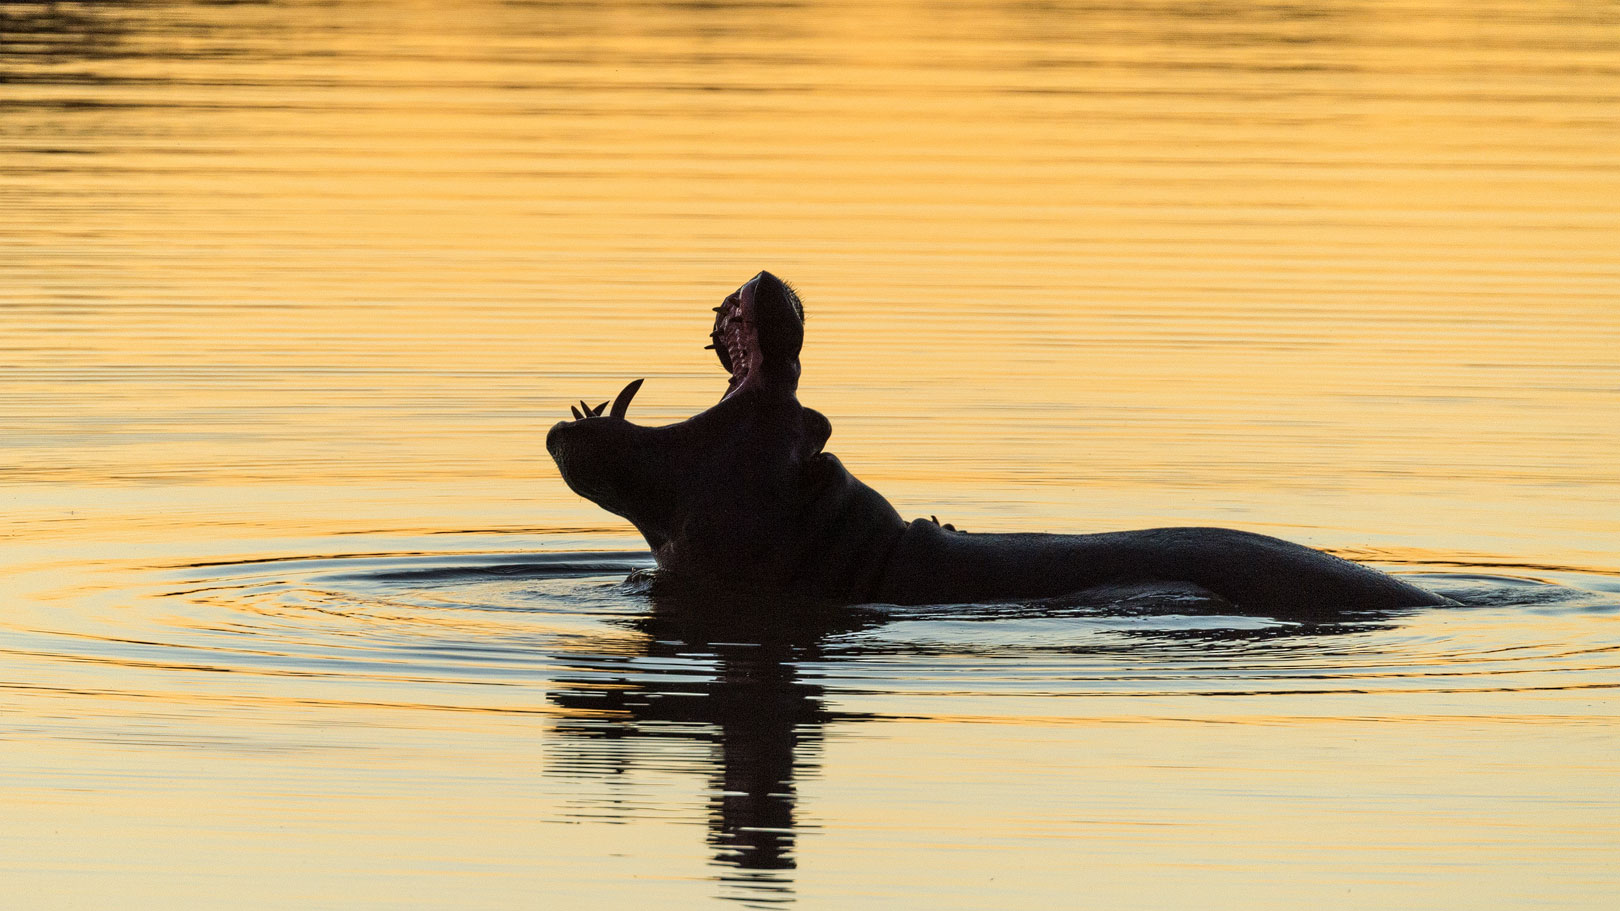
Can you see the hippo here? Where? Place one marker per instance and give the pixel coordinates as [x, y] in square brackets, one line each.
[743, 497]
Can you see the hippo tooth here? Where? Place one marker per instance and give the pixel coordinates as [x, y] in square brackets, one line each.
[577, 415]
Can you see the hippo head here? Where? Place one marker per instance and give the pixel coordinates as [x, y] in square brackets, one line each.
[724, 492]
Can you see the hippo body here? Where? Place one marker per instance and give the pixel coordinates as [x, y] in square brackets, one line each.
[742, 496]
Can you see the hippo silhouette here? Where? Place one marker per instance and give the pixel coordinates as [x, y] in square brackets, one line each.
[744, 497]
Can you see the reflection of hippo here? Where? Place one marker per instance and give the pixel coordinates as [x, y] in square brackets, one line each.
[742, 496]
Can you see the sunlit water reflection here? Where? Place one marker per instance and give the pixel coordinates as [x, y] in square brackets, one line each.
[295, 611]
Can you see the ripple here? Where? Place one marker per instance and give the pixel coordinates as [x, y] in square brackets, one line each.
[435, 660]
[556, 632]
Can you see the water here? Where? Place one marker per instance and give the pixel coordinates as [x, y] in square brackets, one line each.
[295, 610]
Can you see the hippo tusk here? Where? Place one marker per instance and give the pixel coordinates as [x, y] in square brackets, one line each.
[577, 415]
[622, 403]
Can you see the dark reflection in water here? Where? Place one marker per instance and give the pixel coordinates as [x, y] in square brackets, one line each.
[729, 674]
[746, 696]
[51, 43]
[46, 33]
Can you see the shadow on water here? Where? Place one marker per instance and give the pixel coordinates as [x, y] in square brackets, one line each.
[755, 708]
[730, 673]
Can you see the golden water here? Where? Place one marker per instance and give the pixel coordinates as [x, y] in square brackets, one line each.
[296, 611]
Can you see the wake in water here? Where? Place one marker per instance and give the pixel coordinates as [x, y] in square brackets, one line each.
[450, 621]
[545, 602]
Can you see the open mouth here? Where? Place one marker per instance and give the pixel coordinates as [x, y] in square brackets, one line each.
[758, 331]
[735, 338]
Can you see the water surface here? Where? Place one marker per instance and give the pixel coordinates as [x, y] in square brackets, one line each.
[296, 610]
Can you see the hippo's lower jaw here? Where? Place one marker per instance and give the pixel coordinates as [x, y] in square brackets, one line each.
[742, 496]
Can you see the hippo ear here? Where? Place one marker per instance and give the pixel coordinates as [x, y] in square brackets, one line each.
[813, 434]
